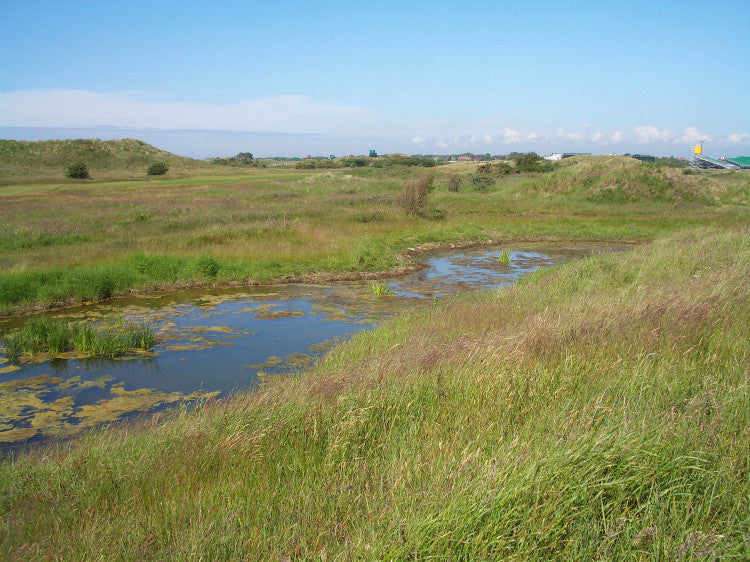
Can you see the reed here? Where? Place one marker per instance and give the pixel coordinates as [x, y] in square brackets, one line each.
[55, 336]
[381, 289]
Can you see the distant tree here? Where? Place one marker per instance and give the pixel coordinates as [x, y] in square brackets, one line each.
[245, 157]
[78, 171]
[482, 182]
[532, 162]
[157, 169]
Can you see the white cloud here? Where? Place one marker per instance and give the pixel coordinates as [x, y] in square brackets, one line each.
[513, 136]
[647, 134]
[736, 138]
[691, 135]
[299, 115]
[79, 108]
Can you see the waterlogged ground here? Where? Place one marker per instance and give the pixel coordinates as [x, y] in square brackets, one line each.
[213, 343]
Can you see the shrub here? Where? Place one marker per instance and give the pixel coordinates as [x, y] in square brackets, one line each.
[482, 182]
[454, 183]
[157, 169]
[354, 162]
[413, 198]
[532, 162]
[77, 171]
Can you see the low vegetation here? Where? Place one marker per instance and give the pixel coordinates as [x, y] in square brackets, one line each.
[77, 172]
[50, 336]
[595, 411]
[598, 410]
[413, 198]
[124, 158]
[157, 169]
[80, 241]
[381, 289]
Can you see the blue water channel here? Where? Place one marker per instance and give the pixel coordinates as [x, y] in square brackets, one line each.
[212, 343]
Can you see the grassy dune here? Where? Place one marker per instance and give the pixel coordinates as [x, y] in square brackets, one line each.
[123, 158]
[599, 410]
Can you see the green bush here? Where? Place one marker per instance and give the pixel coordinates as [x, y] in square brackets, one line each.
[532, 162]
[454, 182]
[482, 182]
[77, 171]
[157, 169]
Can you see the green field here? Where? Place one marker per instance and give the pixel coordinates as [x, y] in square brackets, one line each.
[63, 242]
[597, 410]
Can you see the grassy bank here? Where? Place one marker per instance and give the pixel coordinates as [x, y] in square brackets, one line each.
[597, 410]
[68, 242]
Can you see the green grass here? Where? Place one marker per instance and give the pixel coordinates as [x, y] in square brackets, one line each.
[52, 336]
[381, 289]
[597, 410]
[113, 158]
[70, 242]
[503, 257]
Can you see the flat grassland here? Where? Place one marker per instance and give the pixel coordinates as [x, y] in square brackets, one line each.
[62, 242]
[597, 410]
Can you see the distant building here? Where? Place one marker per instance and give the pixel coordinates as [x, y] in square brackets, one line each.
[560, 155]
[742, 161]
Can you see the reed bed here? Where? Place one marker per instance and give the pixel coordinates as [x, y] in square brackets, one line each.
[53, 336]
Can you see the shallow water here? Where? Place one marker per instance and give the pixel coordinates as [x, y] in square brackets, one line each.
[213, 343]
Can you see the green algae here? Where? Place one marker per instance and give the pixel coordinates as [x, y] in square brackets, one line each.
[29, 407]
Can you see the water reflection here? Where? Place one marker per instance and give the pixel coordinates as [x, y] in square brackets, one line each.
[216, 342]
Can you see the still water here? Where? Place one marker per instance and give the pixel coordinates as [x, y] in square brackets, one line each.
[215, 342]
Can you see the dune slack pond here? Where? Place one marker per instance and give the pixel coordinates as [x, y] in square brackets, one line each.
[211, 343]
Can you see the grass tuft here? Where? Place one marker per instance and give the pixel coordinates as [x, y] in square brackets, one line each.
[381, 289]
[504, 257]
[56, 336]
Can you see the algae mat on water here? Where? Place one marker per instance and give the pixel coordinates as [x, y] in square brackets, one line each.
[46, 405]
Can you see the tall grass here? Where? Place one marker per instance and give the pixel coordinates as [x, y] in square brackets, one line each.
[55, 336]
[598, 410]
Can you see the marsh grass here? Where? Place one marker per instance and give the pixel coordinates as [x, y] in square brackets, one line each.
[381, 289]
[56, 336]
[597, 410]
[503, 257]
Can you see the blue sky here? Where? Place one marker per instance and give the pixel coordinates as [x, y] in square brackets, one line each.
[293, 78]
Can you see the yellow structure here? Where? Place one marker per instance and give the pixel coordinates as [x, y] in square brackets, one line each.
[698, 149]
